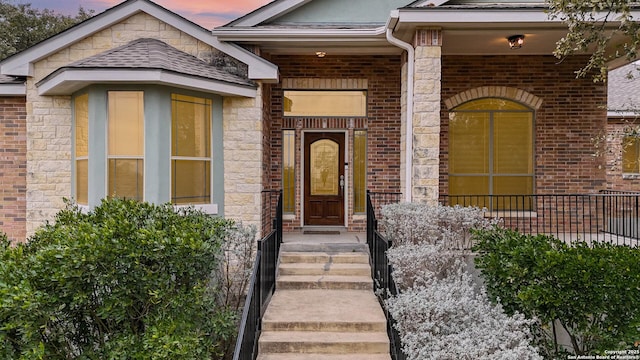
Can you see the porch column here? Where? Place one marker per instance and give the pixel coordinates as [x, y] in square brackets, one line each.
[426, 116]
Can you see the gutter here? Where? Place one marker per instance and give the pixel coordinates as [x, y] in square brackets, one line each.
[391, 23]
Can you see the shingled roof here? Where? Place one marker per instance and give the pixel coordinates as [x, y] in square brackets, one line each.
[624, 89]
[147, 53]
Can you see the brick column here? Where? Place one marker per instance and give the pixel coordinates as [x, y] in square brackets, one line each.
[426, 115]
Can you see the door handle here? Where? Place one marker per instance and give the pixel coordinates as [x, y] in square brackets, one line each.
[341, 185]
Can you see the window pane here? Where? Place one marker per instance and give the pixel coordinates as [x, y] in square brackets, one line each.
[469, 185]
[191, 126]
[82, 181]
[126, 178]
[81, 113]
[631, 155]
[359, 171]
[492, 104]
[513, 185]
[126, 123]
[469, 143]
[190, 182]
[324, 167]
[325, 103]
[513, 143]
[288, 171]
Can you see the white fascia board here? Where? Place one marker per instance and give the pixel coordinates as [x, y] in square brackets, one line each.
[439, 16]
[270, 11]
[279, 34]
[70, 80]
[13, 90]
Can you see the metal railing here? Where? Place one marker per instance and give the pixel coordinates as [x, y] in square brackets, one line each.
[380, 268]
[263, 280]
[609, 216]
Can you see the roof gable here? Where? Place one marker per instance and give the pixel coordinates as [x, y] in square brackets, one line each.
[21, 64]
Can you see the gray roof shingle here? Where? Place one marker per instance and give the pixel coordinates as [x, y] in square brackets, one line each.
[624, 88]
[147, 53]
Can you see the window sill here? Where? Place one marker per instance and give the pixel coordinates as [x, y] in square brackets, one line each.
[210, 209]
[630, 176]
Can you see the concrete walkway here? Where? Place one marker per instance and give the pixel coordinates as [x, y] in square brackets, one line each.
[324, 307]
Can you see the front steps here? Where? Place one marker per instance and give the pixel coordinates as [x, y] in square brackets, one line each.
[324, 307]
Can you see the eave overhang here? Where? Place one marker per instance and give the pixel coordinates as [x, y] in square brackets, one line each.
[66, 81]
[13, 90]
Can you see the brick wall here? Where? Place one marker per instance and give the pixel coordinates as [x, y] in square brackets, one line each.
[613, 153]
[13, 167]
[571, 113]
[382, 75]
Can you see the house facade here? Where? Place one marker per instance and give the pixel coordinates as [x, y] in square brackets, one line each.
[323, 99]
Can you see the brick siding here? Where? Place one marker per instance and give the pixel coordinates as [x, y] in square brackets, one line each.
[13, 167]
[382, 75]
[572, 112]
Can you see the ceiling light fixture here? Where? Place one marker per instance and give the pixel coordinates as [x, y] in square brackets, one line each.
[321, 54]
[515, 41]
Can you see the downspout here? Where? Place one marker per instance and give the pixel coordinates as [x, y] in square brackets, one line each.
[393, 20]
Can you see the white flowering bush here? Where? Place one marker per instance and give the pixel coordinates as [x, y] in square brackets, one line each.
[411, 223]
[440, 311]
[448, 319]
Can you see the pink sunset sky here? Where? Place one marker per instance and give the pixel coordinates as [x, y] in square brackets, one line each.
[206, 13]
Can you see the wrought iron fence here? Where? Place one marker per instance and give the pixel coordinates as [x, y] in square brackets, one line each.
[262, 283]
[380, 268]
[609, 216]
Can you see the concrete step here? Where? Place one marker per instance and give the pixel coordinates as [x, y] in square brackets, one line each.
[288, 257]
[324, 310]
[309, 282]
[324, 357]
[324, 247]
[317, 342]
[324, 269]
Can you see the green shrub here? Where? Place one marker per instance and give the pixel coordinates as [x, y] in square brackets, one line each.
[127, 280]
[591, 291]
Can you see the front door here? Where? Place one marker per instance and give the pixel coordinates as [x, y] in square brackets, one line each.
[324, 179]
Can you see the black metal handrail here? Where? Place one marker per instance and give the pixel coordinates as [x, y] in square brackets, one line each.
[609, 216]
[380, 268]
[262, 283]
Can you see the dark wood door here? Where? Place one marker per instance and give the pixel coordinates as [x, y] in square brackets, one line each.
[324, 179]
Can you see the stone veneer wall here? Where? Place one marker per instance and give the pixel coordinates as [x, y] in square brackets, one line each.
[49, 117]
[426, 118]
[381, 75]
[13, 167]
[571, 111]
[243, 158]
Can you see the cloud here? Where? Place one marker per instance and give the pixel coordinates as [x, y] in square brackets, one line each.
[206, 13]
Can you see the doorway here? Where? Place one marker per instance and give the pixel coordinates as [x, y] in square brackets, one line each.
[324, 178]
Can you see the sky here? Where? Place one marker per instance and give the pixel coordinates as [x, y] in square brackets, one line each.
[206, 13]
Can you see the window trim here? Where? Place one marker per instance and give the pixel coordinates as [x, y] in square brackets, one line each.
[366, 106]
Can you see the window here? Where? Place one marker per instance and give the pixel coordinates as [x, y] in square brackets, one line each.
[81, 113]
[190, 150]
[126, 144]
[360, 171]
[288, 171]
[631, 155]
[491, 150]
[325, 103]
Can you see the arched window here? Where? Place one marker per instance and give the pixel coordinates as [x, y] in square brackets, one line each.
[491, 150]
